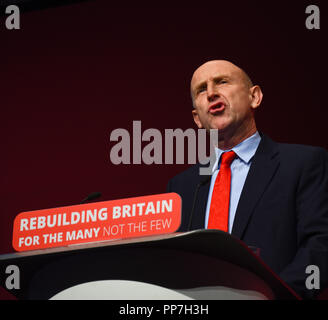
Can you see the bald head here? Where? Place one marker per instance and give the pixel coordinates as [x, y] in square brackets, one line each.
[225, 98]
[217, 67]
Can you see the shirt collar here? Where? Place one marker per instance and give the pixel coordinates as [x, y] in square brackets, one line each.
[245, 150]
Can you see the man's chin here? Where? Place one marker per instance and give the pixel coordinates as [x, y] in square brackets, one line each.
[222, 127]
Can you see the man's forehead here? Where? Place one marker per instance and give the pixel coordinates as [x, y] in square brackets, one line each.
[214, 69]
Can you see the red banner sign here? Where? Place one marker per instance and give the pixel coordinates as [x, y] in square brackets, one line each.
[97, 221]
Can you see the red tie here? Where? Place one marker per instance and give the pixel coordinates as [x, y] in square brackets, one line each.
[219, 211]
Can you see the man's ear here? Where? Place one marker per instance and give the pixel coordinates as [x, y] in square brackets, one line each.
[196, 119]
[256, 96]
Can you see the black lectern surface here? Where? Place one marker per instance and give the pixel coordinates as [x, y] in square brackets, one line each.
[179, 261]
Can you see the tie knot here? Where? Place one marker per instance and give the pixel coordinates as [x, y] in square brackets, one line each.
[227, 158]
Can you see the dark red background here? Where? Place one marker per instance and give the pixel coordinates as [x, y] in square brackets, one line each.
[72, 74]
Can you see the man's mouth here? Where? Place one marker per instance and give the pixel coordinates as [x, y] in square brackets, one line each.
[216, 107]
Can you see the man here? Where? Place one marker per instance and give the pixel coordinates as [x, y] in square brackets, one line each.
[271, 196]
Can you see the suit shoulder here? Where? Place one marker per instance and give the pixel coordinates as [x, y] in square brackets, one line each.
[300, 152]
[189, 174]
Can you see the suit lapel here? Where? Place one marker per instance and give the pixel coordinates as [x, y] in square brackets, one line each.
[263, 168]
[198, 221]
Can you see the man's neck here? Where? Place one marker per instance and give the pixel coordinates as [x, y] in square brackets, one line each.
[227, 142]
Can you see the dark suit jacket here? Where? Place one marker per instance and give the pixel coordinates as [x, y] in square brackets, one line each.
[283, 209]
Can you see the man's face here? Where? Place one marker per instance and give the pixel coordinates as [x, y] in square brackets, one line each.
[222, 97]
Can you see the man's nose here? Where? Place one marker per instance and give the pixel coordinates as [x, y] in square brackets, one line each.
[212, 92]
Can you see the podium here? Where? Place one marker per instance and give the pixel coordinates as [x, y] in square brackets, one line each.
[200, 264]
